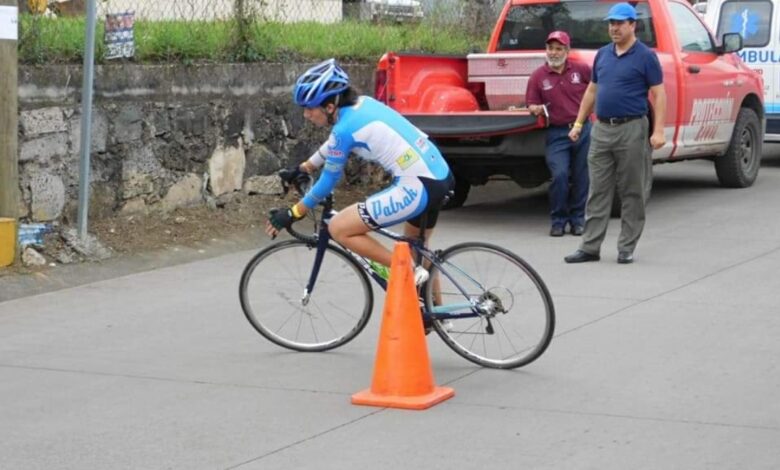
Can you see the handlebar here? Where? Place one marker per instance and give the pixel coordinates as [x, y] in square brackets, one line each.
[295, 178]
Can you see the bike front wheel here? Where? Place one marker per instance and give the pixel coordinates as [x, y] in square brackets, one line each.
[274, 298]
[490, 306]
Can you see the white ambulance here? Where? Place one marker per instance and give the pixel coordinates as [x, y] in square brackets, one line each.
[758, 21]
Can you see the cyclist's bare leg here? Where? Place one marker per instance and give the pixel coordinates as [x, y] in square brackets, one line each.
[414, 232]
[349, 229]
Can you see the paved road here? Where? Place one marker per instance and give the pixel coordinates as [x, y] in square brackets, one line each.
[672, 362]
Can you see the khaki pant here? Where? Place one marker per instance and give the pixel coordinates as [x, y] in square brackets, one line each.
[618, 160]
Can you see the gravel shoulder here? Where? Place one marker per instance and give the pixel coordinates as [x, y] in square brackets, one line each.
[142, 242]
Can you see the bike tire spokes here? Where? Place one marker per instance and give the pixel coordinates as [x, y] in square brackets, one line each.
[511, 320]
[273, 295]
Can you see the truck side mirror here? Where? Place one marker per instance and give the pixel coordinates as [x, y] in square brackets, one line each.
[732, 42]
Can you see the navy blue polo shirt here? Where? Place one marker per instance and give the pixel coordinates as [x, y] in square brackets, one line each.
[623, 81]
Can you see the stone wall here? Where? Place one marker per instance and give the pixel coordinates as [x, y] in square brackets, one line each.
[162, 136]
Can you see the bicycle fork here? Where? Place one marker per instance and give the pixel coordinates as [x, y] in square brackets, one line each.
[322, 243]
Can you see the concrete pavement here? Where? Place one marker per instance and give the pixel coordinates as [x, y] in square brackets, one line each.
[671, 362]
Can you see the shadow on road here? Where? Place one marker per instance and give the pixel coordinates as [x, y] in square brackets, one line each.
[669, 180]
[771, 162]
[505, 197]
[674, 180]
[683, 182]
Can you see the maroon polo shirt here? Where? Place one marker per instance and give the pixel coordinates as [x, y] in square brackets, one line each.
[561, 92]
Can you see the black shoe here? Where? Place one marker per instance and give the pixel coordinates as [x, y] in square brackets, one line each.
[427, 324]
[577, 230]
[580, 256]
[625, 257]
[556, 231]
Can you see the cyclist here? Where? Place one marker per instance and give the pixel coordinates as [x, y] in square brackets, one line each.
[372, 131]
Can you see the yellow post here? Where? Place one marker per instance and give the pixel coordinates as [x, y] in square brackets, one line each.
[7, 241]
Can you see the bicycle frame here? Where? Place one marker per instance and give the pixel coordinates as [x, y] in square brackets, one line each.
[442, 312]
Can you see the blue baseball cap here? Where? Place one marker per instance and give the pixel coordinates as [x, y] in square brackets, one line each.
[621, 12]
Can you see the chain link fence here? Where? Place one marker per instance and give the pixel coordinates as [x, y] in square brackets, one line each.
[289, 11]
[52, 30]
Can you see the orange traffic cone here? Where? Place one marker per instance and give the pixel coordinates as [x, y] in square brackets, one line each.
[402, 371]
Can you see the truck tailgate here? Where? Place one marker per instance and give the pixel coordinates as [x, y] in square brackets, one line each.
[484, 123]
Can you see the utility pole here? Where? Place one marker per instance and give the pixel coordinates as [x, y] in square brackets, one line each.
[86, 119]
[9, 121]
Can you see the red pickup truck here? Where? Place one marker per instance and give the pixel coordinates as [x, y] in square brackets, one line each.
[473, 106]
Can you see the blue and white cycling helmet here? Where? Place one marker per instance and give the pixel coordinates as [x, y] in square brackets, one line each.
[319, 83]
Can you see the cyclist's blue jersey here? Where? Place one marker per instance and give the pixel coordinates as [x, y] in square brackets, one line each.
[379, 134]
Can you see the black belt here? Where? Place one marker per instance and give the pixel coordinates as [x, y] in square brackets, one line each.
[613, 121]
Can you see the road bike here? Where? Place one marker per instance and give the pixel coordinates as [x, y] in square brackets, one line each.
[312, 294]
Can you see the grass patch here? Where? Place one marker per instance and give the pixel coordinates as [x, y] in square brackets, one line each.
[61, 40]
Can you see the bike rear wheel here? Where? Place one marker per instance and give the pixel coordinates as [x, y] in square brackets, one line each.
[516, 317]
[272, 293]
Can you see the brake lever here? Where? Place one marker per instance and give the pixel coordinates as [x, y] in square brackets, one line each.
[303, 184]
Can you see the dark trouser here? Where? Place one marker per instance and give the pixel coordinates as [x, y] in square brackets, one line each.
[618, 161]
[568, 164]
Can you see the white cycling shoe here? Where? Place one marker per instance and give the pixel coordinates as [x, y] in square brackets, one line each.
[420, 275]
[446, 325]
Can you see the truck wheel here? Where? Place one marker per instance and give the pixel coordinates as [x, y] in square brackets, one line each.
[738, 167]
[461, 192]
[616, 203]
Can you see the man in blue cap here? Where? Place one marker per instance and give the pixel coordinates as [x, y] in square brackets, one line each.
[619, 155]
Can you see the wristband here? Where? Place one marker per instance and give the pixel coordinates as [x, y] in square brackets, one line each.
[295, 213]
[576, 125]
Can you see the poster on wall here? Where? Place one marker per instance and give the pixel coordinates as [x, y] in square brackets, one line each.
[120, 41]
[9, 23]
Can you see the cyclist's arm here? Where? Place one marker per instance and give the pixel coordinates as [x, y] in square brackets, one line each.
[331, 174]
[309, 166]
[316, 160]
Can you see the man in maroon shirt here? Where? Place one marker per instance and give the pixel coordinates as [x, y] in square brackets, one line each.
[559, 85]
